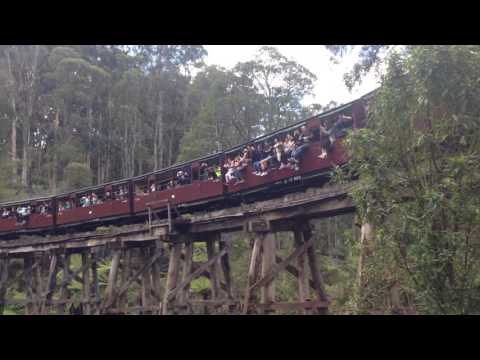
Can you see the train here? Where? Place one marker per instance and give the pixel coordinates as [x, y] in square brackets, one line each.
[131, 200]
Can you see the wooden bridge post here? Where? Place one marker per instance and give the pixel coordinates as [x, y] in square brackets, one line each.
[225, 262]
[303, 286]
[86, 263]
[27, 271]
[95, 289]
[112, 276]
[156, 276]
[213, 269]
[267, 292]
[40, 257]
[126, 266]
[172, 275]
[3, 282]
[146, 281]
[64, 292]
[252, 270]
[183, 294]
[50, 285]
[314, 270]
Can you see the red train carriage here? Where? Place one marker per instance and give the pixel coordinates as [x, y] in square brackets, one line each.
[132, 197]
[155, 190]
[94, 204]
[311, 162]
[38, 215]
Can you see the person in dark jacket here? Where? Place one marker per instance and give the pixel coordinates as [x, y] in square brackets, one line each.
[302, 143]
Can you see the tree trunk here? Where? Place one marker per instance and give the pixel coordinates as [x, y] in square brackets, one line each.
[14, 145]
[366, 237]
[27, 120]
[157, 144]
[14, 123]
[56, 124]
[170, 149]
[25, 154]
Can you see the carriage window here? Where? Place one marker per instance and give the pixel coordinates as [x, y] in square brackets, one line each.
[6, 213]
[153, 186]
[65, 204]
[22, 213]
[183, 177]
[43, 208]
[141, 187]
[90, 198]
[120, 192]
[209, 170]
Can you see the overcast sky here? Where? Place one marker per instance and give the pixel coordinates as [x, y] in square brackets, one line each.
[329, 85]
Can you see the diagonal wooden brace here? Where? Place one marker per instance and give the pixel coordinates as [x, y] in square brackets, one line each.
[195, 274]
[135, 276]
[270, 276]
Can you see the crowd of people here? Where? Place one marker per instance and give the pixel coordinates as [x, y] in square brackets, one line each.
[283, 152]
[267, 156]
[21, 212]
[182, 177]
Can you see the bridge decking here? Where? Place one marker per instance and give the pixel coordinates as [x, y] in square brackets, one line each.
[154, 244]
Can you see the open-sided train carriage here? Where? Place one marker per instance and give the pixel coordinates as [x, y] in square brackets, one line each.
[128, 198]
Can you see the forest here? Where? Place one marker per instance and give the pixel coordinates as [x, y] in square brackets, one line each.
[72, 116]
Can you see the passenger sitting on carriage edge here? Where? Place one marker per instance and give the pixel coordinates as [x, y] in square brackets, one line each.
[341, 125]
[257, 154]
[229, 170]
[268, 155]
[329, 136]
[233, 170]
[245, 158]
[289, 145]
[327, 141]
[280, 153]
[302, 143]
[240, 165]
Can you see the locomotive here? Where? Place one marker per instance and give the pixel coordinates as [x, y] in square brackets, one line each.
[130, 200]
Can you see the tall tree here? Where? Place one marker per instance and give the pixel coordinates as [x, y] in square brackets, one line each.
[418, 168]
[282, 82]
[23, 63]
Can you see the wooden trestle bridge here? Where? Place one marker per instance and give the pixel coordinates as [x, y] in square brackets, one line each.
[163, 249]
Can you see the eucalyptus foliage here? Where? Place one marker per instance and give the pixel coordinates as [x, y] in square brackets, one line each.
[418, 169]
